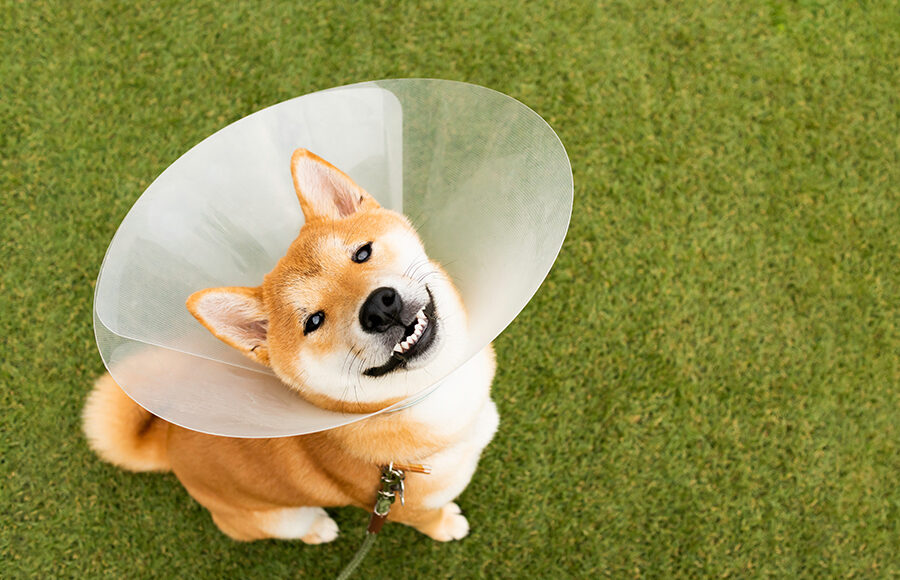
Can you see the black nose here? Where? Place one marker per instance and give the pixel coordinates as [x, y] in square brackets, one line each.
[381, 310]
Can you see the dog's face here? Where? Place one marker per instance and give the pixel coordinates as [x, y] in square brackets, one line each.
[355, 315]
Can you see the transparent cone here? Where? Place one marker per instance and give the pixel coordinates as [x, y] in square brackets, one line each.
[483, 178]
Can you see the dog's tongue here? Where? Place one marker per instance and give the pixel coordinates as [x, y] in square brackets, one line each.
[482, 177]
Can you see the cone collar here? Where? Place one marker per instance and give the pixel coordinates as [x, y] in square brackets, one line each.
[482, 177]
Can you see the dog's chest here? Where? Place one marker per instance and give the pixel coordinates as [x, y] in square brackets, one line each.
[457, 405]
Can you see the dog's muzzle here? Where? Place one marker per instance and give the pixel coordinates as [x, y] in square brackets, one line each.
[383, 313]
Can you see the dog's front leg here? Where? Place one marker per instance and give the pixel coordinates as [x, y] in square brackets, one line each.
[442, 524]
[429, 507]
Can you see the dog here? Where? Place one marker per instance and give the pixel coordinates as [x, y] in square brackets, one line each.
[354, 318]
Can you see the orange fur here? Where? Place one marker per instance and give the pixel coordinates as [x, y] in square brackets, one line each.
[122, 432]
[241, 480]
[261, 488]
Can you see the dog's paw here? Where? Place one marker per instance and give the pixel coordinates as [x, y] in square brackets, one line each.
[451, 526]
[323, 529]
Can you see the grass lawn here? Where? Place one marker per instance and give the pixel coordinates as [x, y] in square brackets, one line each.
[707, 384]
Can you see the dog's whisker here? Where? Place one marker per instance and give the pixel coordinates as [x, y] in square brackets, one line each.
[425, 275]
[414, 265]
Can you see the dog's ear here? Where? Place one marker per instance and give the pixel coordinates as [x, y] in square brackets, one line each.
[235, 316]
[324, 190]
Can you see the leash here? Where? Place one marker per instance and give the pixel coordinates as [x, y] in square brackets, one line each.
[358, 557]
[392, 477]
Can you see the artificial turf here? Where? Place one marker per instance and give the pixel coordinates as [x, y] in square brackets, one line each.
[707, 384]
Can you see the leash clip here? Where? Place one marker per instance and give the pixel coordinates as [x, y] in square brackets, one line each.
[392, 487]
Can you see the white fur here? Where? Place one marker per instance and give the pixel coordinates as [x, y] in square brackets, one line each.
[312, 524]
[452, 407]
[454, 525]
[455, 465]
[460, 408]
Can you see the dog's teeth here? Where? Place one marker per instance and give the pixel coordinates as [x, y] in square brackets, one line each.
[410, 341]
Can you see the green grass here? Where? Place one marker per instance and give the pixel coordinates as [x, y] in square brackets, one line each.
[708, 383]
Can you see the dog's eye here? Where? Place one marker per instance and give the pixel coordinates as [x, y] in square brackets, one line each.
[314, 322]
[363, 253]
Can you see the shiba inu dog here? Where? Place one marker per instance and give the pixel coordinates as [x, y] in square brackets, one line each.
[354, 317]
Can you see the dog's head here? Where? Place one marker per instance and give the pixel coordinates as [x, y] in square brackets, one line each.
[355, 316]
